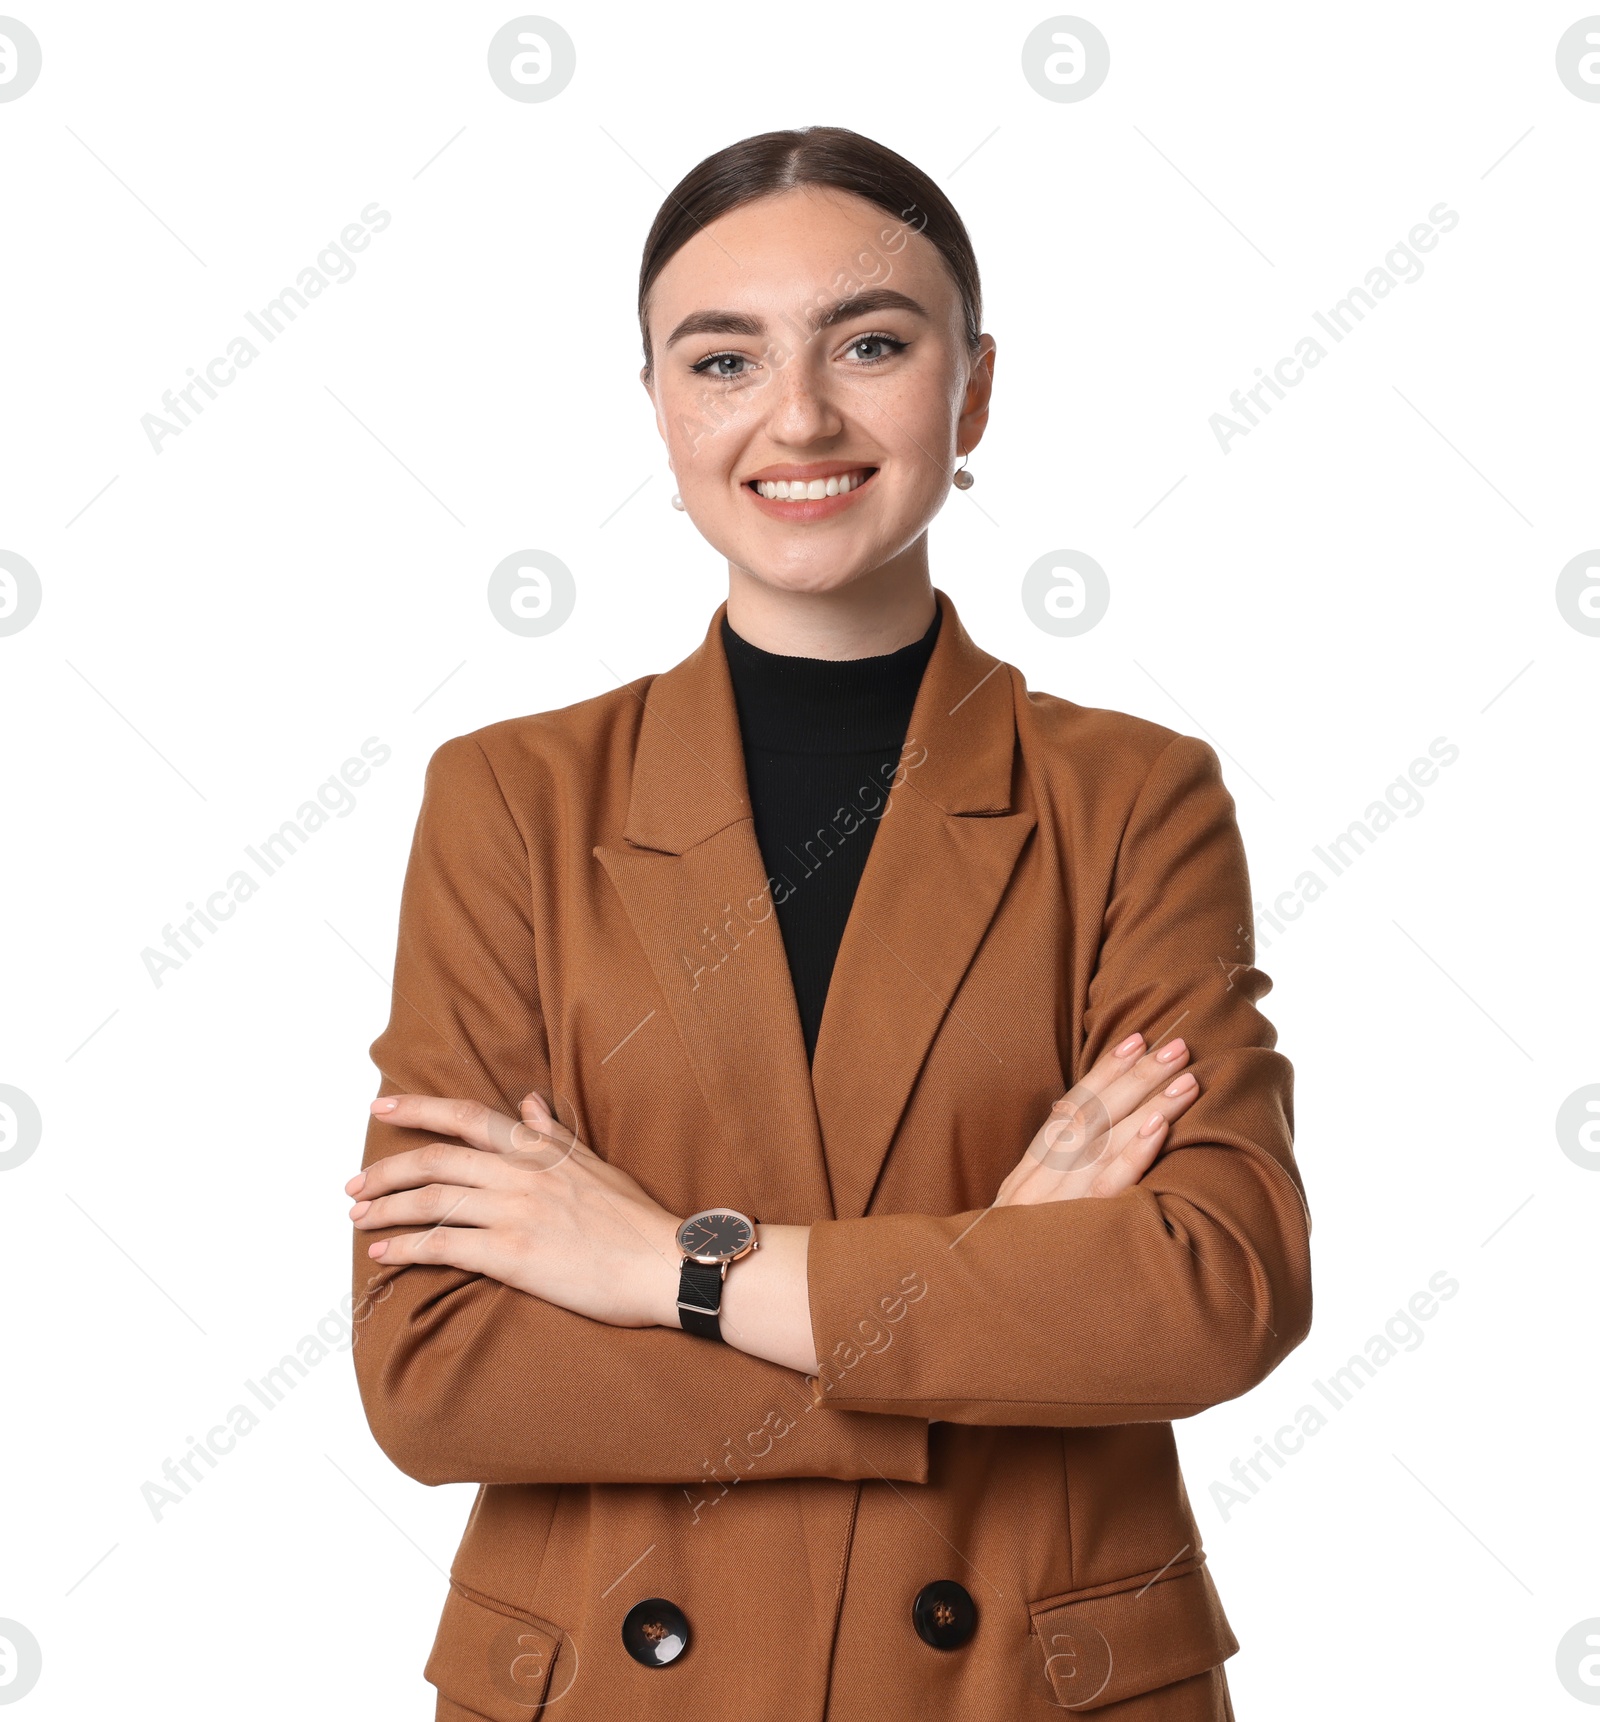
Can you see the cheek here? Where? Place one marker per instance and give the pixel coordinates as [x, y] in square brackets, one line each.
[913, 422]
[705, 429]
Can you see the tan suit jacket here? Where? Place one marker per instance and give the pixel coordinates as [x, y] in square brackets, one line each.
[586, 913]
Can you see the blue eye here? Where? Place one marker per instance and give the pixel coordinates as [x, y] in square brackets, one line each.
[709, 366]
[888, 341]
[704, 367]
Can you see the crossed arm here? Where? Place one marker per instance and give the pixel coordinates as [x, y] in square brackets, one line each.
[509, 1311]
[526, 1203]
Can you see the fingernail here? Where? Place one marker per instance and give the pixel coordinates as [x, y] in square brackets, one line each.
[353, 1188]
[1181, 1084]
[1152, 1124]
[384, 1105]
[1173, 1049]
[378, 1248]
[359, 1209]
[1133, 1041]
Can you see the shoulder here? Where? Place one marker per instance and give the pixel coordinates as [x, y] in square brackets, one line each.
[534, 761]
[1098, 747]
[1128, 793]
[578, 735]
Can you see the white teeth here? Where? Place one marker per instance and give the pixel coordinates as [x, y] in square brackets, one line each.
[786, 490]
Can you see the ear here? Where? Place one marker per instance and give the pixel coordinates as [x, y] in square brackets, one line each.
[644, 378]
[980, 386]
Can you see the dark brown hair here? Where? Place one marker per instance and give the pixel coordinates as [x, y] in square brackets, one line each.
[812, 155]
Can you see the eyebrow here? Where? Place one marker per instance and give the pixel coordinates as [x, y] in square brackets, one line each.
[863, 304]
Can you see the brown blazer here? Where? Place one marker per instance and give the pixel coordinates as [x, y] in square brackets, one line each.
[586, 913]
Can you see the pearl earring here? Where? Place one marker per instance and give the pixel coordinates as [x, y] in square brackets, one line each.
[963, 480]
[677, 501]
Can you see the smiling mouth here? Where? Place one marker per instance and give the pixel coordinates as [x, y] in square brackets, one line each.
[813, 490]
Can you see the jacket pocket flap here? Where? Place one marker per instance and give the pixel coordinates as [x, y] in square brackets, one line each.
[1110, 1644]
[492, 1658]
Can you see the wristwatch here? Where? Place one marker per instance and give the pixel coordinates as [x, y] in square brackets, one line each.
[709, 1241]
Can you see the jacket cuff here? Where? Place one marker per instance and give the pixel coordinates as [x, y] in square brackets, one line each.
[866, 1294]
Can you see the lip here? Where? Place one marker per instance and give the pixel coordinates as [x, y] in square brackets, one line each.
[808, 471]
[808, 508]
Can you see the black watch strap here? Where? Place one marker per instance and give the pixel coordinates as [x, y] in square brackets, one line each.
[700, 1298]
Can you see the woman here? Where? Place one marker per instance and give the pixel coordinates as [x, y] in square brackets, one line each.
[910, 1457]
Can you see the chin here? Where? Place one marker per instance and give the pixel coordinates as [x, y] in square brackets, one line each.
[808, 577]
[812, 562]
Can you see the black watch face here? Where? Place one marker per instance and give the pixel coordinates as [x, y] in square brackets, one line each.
[715, 1236]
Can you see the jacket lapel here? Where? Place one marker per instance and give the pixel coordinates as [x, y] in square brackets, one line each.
[691, 878]
[943, 854]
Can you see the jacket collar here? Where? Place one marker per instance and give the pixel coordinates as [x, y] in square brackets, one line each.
[691, 878]
[688, 775]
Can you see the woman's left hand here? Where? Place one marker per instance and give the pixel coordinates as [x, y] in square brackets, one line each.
[1099, 1140]
[524, 1202]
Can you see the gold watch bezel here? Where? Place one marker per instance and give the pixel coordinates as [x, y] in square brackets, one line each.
[718, 1260]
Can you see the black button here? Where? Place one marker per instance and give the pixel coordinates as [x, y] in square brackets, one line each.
[655, 1632]
[944, 1614]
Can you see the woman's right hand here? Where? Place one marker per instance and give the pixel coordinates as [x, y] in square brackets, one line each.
[1105, 1132]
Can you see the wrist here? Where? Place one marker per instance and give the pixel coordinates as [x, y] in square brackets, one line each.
[766, 1307]
[660, 1265]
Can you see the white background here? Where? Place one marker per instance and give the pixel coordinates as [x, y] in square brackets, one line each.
[225, 622]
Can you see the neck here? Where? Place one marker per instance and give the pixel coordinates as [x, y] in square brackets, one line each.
[876, 613]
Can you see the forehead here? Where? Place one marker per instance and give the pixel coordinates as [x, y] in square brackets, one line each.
[805, 246]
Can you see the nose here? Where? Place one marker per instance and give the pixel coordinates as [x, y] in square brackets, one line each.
[798, 400]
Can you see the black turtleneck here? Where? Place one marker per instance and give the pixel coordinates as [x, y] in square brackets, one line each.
[822, 738]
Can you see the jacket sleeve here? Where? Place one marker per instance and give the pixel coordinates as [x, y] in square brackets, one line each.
[1182, 1292]
[464, 1379]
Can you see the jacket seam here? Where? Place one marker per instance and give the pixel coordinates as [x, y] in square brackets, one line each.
[1133, 808]
[1115, 870]
[838, 1597]
[494, 778]
[1119, 1586]
[1066, 1488]
[510, 1610]
[533, 932]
